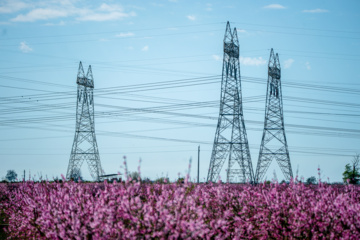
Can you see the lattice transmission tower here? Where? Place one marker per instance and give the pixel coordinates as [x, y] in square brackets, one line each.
[230, 143]
[85, 146]
[273, 144]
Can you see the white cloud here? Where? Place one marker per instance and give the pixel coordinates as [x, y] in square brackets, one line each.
[61, 23]
[248, 61]
[11, 6]
[216, 57]
[191, 17]
[275, 6]
[307, 65]
[128, 34]
[241, 30]
[318, 10]
[66, 8]
[288, 63]
[24, 47]
[100, 17]
[208, 7]
[145, 48]
[110, 8]
[40, 14]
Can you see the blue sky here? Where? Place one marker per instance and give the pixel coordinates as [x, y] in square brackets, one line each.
[157, 67]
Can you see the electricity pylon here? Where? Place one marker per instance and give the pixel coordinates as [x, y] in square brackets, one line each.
[273, 143]
[85, 146]
[230, 141]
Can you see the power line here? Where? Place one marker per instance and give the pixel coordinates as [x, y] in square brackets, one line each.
[299, 28]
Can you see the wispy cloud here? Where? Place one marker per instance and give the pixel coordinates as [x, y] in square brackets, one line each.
[288, 63]
[108, 16]
[61, 23]
[191, 17]
[275, 6]
[110, 8]
[208, 7]
[24, 47]
[248, 61]
[128, 34]
[145, 48]
[11, 6]
[241, 30]
[318, 10]
[65, 9]
[40, 14]
[216, 57]
[307, 65]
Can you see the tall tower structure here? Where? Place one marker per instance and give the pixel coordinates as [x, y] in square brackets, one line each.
[230, 143]
[273, 143]
[85, 146]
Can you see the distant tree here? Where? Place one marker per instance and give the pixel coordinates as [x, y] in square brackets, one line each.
[114, 180]
[76, 176]
[134, 175]
[311, 180]
[11, 175]
[146, 180]
[180, 180]
[351, 172]
[162, 180]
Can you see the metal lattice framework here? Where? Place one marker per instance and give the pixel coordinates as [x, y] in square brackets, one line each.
[85, 146]
[230, 141]
[273, 144]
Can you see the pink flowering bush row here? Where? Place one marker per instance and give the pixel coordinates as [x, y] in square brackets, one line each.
[135, 210]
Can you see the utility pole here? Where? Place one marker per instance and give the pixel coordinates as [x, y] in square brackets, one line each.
[198, 164]
[230, 143]
[84, 146]
[274, 145]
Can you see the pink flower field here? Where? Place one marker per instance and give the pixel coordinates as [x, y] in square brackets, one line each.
[136, 210]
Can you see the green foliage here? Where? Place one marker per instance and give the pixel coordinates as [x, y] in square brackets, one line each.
[180, 180]
[11, 176]
[162, 180]
[351, 174]
[311, 180]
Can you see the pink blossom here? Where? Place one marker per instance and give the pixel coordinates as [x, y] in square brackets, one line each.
[132, 210]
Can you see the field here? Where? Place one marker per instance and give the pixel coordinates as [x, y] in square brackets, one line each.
[136, 210]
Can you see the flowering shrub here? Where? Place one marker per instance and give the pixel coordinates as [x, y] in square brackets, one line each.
[181, 211]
